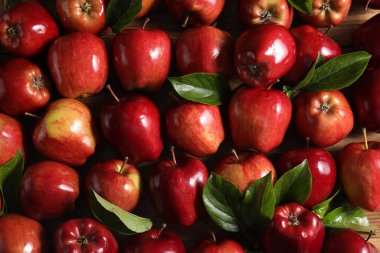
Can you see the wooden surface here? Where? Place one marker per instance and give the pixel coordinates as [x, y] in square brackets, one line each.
[229, 22]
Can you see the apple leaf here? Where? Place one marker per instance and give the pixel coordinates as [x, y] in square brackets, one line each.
[310, 74]
[223, 200]
[259, 203]
[120, 13]
[210, 89]
[294, 185]
[339, 72]
[325, 206]
[348, 217]
[117, 219]
[305, 6]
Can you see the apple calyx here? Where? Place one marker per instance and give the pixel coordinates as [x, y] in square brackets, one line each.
[12, 32]
[86, 7]
[124, 168]
[112, 93]
[324, 108]
[365, 139]
[265, 16]
[38, 82]
[236, 155]
[325, 6]
[82, 240]
[172, 151]
[163, 227]
[293, 220]
[253, 70]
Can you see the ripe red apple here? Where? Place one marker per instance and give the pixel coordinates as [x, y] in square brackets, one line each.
[259, 118]
[293, 229]
[21, 234]
[23, 87]
[146, 68]
[255, 12]
[176, 188]
[212, 246]
[155, 241]
[83, 235]
[324, 117]
[346, 241]
[140, 139]
[62, 183]
[327, 13]
[365, 37]
[78, 64]
[205, 49]
[11, 138]
[195, 12]
[263, 54]
[310, 41]
[244, 168]
[116, 181]
[322, 168]
[27, 29]
[147, 6]
[206, 132]
[66, 133]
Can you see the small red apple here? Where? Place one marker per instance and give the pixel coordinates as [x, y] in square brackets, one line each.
[11, 138]
[212, 246]
[346, 241]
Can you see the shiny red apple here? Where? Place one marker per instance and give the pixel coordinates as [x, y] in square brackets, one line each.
[212, 246]
[11, 138]
[365, 37]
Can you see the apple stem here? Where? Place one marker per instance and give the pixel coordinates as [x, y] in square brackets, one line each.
[367, 5]
[307, 142]
[173, 155]
[270, 86]
[163, 227]
[112, 93]
[145, 23]
[328, 29]
[123, 166]
[186, 21]
[371, 233]
[214, 24]
[236, 155]
[32, 115]
[365, 139]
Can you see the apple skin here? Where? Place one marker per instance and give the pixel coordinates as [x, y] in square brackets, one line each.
[62, 182]
[27, 29]
[11, 138]
[205, 49]
[147, 6]
[245, 170]
[325, 117]
[66, 133]
[146, 68]
[263, 54]
[30, 234]
[78, 64]
[140, 140]
[327, 13]
[23, 87]
[364, 166]
[206, 132]
[255, 12]
[259, 118]
[322, 168]
[209, 246]
[81, 16]
[117, 182]
[155, 241]
[84, 235]
[176, 190]
[199, 12]
[294, 229]
[345, 241]
[309, 41]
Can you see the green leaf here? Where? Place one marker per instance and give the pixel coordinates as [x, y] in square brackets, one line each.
[115, 9]
[223, 202]
[325, 206]
[210, 89]
[294, 185]
[348, 217]
[310, 74]
[128, 16]
[305, 6]
[259, 203]
[115, 218]
[339, 72]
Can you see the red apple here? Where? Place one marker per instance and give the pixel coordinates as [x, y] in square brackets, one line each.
[84, 235]
[81, 16]
[140, 139]
[209, 246]
[263, 54]
[11, 138]
[146, 68]
[195, 12]
[116, 181]
[322, 168]
[325, 117]
[256, 12]
[21, 234]
[78, 63]
[23, 87]
[147, 6]
[293, 229]
[66, 133]
[27, 29]
[259, 118]
[244, 168]
[205, 49]
[176, 188]
[310, 41]
[346, 241]
[40, 203]
[206, 132]
[155, 241]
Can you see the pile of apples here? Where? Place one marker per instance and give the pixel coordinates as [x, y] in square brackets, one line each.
[255, 119]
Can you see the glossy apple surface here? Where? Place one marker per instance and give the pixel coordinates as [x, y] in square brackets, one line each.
[365, 37]
[263, 54]
[78, 64]
[66, 132]
[116, 181]
[11, 138]
[84, 235]
[209, 246]
[345, 241]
